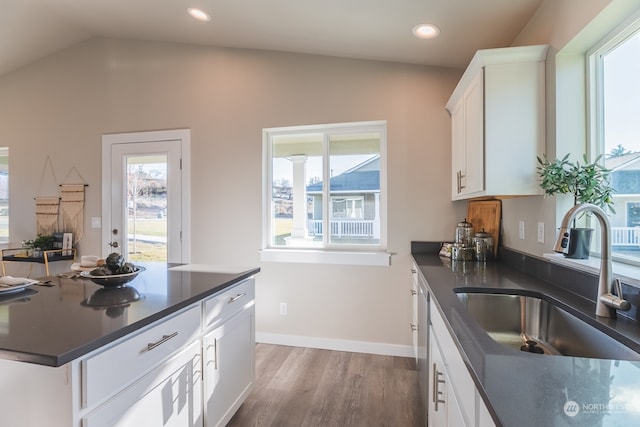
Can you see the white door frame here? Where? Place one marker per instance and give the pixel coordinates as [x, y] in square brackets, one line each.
[184, 135]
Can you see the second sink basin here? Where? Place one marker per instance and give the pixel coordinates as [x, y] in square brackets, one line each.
[540, 326]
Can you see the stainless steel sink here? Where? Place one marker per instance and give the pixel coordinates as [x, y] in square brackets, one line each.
[532, 324]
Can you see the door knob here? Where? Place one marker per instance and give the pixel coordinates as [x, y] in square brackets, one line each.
[113, 244]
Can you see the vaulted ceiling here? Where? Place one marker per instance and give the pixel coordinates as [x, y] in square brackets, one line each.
[365, 29]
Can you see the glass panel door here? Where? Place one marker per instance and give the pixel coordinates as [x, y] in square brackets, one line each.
[146, 201]
[146, 225]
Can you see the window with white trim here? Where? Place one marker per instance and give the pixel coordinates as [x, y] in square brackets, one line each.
[615, 118]
[325, 187]
[4, 195]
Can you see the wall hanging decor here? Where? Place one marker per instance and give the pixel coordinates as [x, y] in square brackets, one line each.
[47, 215]
[72, 205]
[47, 206]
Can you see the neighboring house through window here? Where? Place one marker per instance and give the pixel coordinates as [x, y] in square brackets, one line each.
[325, 187]
[355, 204]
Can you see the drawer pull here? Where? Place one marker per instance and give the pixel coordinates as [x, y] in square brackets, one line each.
[237, 297]
[164, 339]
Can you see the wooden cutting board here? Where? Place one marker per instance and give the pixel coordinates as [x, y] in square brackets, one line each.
[486, 214]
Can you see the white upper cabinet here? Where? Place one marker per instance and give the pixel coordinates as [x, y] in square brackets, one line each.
[498, 123]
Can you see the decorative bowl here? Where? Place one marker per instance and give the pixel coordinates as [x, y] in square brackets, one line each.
[112, 280]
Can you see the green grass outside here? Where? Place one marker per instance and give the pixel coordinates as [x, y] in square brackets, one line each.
[148, 252]
[145, 251]
[149, 227]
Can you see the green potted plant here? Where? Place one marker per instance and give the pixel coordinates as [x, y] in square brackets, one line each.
[41, 243]
[588, 183]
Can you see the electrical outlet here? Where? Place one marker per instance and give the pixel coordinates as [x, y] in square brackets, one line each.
[521, 230]
[541, 232]
[283, 308]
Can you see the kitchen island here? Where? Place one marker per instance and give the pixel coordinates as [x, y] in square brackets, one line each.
[520, 388]
[158, 352]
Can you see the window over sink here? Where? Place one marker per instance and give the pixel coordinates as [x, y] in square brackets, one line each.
[325, 189]
[615, 108]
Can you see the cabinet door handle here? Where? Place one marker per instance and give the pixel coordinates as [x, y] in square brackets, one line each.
[436, 393]
[434, 386]
[237, 297]
[215, 354]
[163, 340]
[212, 348]
[460, 176]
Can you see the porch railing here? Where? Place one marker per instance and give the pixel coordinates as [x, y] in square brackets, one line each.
[625, 236]
[343, 227]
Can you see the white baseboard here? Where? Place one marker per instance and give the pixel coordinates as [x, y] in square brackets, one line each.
[335, 344]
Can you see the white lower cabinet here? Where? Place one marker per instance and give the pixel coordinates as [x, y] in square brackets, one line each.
[191, 369]
[422, 316]
[110, 370]
[438, 390]
[483, 416]
[202, 385]
[415, 322]
[168, 396]
[229, 367]
[453, 398]
[444, 409]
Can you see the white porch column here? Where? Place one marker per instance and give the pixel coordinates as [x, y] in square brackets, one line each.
[299, 196]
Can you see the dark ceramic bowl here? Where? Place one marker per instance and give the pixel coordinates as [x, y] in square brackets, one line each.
[112, 280]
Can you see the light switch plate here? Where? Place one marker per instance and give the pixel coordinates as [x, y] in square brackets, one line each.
[541, 232]
[96, 222]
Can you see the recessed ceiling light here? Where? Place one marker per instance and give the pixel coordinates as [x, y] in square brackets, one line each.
[199, 14]
[426, 31]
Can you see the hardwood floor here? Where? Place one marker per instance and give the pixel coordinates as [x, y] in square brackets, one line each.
[304, 387]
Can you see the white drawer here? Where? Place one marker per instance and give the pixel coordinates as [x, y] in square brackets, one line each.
[111, 370]
[221, 307]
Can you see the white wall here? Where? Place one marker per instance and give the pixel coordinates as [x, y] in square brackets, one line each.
[570, 27]
[61, 105]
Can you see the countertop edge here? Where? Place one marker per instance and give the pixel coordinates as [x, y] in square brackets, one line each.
[62, 359]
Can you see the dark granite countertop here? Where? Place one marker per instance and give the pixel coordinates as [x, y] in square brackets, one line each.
[55, 325]
[524, 389]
